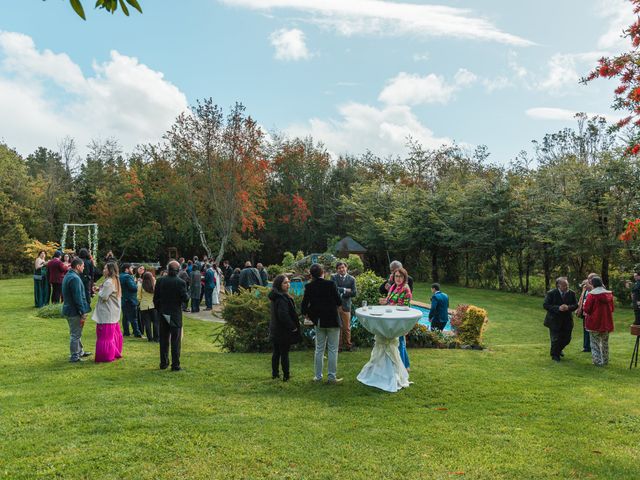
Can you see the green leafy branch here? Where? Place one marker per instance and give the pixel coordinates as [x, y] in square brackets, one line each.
[108, 5]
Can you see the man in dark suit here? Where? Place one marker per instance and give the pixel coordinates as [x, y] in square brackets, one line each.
[264, 276]
[169, 295]
[249, 276]
[320, 304]
[560, 303]
[347, 289]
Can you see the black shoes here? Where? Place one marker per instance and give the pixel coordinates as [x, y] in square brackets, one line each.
[164, 367]
[176, 369]
[555, 359]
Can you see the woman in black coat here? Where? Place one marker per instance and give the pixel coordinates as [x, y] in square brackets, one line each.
[284, 328]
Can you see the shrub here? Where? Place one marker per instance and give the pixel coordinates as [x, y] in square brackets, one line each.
[619, 285]
[53, 310]
[472, 328]
[288, 260]
[354, 264]
[247, 315]
[421, 337]
[299, 255]
[458, 316]
[275, 270]
[368, 285]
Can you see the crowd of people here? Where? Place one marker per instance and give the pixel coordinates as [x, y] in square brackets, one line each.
[153, 307]
[132, 295]
[595, 306]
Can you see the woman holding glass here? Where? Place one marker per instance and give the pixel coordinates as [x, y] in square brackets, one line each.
[400, 295]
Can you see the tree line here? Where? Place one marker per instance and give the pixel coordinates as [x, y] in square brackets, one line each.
[216, 184]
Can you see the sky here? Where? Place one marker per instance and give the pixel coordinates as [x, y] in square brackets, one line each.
[356, 75]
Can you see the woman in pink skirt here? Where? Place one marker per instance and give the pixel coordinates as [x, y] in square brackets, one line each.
[107, 316]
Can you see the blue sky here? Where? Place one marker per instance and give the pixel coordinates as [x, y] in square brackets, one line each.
[354, 74]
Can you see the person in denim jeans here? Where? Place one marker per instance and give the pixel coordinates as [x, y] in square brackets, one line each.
[129, 301]
[75, 308]
[320, 304]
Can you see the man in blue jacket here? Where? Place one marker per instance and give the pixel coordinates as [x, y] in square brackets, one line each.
[129, 301]
[439, 312]
[209, 286]
[75, 308]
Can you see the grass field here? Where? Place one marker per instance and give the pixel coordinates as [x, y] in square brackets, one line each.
[504, 413]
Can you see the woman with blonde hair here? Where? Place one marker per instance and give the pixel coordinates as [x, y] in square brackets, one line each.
[148, 314]
[107, 316]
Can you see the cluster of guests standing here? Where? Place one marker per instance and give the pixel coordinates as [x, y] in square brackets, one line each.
[132, 295]
[594, 305]
[327, 304]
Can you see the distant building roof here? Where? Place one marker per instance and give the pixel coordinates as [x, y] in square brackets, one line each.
[349, 245]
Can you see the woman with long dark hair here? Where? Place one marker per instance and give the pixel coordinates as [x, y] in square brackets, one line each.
[148, 315]
[284, 328]
[107, 316]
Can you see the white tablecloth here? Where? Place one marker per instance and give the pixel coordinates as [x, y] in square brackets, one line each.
[385, 369]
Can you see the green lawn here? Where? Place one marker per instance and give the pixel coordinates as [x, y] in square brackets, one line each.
[506, 412]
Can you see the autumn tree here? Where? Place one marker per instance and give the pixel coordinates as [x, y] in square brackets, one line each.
[223, 173]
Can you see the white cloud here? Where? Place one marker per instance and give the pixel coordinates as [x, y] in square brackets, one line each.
[361, 127]
[498, 83]
[563, 114]
[411, 89]
[464, 77]
[289, 44]
[564, 71]
[383, 17]
[619, 14]
[421, 57]
[122, 98]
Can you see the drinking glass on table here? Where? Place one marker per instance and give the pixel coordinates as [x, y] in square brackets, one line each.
[364, 305]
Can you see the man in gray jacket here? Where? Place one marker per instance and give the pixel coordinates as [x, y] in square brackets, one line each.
[347, 289]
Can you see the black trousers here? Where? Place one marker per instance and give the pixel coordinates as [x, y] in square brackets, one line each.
[637, 314]
[169, 335]
[437, 324]
[195, 304]
[560, 337]
[56, 292]
[280, 355]
[150, 322]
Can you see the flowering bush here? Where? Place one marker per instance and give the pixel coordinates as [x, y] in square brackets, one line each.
[458, 316]
[471, 329]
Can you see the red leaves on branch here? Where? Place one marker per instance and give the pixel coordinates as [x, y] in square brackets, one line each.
[626, 68]
[301, 211]
[631, 232]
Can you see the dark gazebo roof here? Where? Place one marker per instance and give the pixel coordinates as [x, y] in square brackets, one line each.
[349, 245]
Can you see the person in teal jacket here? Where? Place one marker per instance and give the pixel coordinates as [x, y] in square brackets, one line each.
[129, 301]
[439, 312]
[75, 308]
